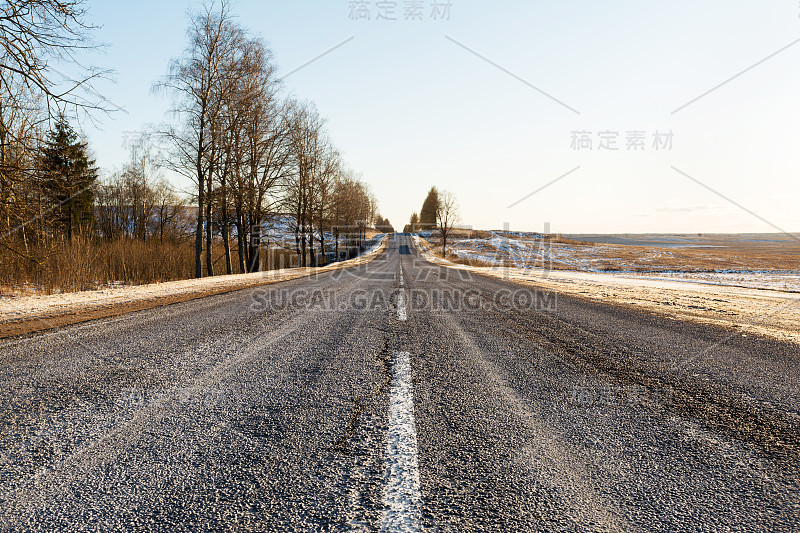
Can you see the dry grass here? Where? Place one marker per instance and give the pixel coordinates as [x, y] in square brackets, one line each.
[560, 239]
[85, 264]
[453, 258]
[645, 259]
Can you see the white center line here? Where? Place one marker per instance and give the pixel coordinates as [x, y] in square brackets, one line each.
[401, 277]
[401, 306]
[401, 494]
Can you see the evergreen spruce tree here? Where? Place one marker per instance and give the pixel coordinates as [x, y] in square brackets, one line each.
[427, 215]
[68, 177]
[413, 222]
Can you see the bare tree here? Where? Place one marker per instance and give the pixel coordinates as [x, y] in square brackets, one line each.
[200, 81]
[323, 190]
[137, 202]
[129, 205]
[258, 147]
[170, 213]
[35, 33]
[22, 210]
[446, 216]
[305, 144]
[139, 178]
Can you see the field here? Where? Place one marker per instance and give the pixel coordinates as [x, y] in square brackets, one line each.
[763, 261]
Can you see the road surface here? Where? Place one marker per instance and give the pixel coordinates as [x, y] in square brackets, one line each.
[398, 396]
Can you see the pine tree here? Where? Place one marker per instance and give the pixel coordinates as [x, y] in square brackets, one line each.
[414, 220]
[68, 177]
[427, 215]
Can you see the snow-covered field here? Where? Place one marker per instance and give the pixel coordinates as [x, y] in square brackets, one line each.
[763, 303]
[778, 281]
[530, 251]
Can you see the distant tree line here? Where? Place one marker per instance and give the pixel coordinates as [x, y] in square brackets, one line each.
[383, 225]
[137, 202]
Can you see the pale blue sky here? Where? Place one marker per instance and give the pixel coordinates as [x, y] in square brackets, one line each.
[410, 108]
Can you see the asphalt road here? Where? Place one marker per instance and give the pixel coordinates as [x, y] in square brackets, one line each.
[398, 396]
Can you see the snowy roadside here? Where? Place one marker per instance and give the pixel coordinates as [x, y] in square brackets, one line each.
[35, 313]
[773, 313]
